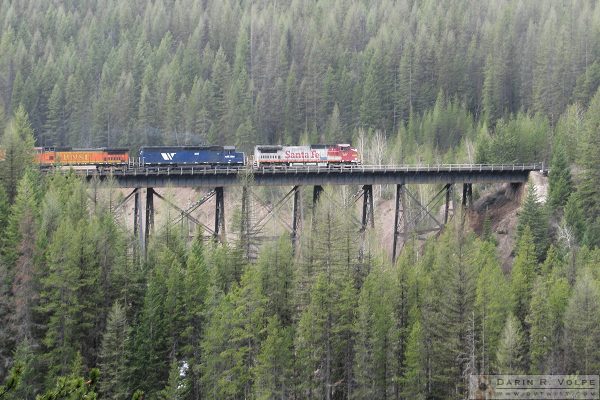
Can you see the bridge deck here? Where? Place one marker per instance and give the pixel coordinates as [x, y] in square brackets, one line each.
[198, 176]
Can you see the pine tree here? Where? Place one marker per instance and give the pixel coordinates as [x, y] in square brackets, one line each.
[313, 344]
[559, 179]
[114, 355]
[522, 278]
[375, 361]
[589, 186]
[61, 301]
[17, 143]
[154, 344]
[22, 230]
[53, 134]
[582, 334]
[276, 269]
[534, 216]
[196, 283]
[26, 358]
[548, 302]
[414, 380]
[492, 304]
[232, 341]
[448, 308]
[273, 370]
[73, 387]
[574, 217]
[175, 389]
[509, 357]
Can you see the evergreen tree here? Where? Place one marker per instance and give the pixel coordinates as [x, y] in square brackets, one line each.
[448, 309]
[559, 179]
[53, 128]
[548, 302]
[313, 344]
[492, 304]
[589, 183]
[17, 143]
[522, 279]
[374, 365]
[175, 388]
[574, 217]
[273, 370]
[414, 381]
[582, 335]
[534, 216]
[73, 387]
[509, 357]
[114, 355]
[232, 341]
[196, 282]
[277, 275]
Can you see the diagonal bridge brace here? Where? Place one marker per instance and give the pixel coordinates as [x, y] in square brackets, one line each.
[186, 214]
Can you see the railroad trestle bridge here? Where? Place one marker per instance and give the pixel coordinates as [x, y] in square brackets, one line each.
[144, 181]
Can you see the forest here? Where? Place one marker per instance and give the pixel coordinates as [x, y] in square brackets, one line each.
[83, 315]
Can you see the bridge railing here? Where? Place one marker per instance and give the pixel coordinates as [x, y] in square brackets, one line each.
[227, 170]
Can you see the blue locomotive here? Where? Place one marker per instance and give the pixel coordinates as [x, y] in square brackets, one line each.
[212, 156]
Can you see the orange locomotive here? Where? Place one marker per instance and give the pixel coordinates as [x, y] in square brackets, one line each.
[66, 156]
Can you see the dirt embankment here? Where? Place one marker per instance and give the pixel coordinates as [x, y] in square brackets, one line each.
[501, 205]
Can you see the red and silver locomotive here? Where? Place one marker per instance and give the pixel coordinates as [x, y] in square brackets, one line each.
[316, 154]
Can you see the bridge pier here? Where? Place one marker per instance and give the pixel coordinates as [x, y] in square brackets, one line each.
[467, 198]
[368, 214]
[149, 216]
[137, 221]
[449, 190]
[317, 191]
[296, 217]
[219, 214]
[399, 217]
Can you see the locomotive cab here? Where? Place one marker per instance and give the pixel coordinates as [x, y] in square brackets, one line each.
[348, 154]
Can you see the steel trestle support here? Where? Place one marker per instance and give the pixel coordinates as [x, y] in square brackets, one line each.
[219, 214]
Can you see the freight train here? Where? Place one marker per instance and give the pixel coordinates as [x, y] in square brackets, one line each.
[265, 156]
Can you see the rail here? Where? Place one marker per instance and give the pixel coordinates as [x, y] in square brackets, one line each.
[309, 169]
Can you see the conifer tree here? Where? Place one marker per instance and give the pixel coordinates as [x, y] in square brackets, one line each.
[196, 283]
[273, 370]
[582, 334]
[114, 355]
[559, 179]
[448, 307]
[414, 380]
[509, 357]
[232, 341]
[492, 304]
[574, 217]
[545, 318]
[175, 389]
[277, 276]
[313, 344]
[533, 215]
[522, 279]
[374, 365]
[17, 143]
[24, 293]
[589, 187]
